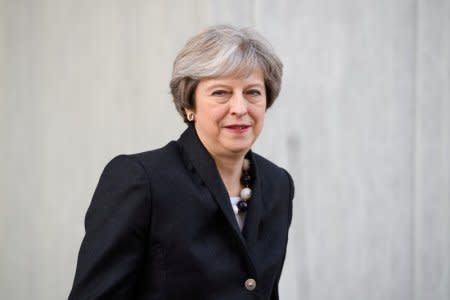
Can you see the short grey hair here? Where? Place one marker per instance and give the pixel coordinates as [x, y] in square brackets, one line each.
[223, 50]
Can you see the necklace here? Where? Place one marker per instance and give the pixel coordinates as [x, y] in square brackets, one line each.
[246, 192]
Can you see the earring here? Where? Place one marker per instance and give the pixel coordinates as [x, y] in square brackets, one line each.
[191, 117]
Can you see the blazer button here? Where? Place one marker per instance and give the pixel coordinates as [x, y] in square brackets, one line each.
[250, 284]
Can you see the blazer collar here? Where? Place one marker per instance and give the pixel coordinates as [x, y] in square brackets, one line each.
[198, 159]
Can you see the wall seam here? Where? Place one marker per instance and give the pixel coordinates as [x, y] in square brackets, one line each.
[414, 217]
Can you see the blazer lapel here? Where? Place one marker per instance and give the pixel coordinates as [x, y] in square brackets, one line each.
[198, 158]
[204, 165]
[255, 209]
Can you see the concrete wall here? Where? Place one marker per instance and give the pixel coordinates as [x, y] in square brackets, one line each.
[363, 124]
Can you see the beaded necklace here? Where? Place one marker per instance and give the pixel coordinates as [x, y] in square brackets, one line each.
[246, 192]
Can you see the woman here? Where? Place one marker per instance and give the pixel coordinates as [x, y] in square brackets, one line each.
[203, 217]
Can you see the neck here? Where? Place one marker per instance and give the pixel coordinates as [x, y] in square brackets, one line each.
[230, 170]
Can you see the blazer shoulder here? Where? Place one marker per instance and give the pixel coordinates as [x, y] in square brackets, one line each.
[157, 158]
[268, 168]
[131, 167]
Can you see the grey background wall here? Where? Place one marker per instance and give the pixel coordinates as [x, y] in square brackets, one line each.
[363, 124]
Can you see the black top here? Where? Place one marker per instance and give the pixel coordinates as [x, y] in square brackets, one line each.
[161, 226]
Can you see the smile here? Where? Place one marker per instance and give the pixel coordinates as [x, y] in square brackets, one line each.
[239, 127]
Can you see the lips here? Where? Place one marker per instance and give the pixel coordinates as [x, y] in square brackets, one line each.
[238, 129]
[237, 126]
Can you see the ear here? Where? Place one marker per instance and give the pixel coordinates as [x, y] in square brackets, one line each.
[190, 115]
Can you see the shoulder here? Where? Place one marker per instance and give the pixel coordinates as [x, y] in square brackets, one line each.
[271, 173]
[268, 168]
[145, 161]
[265, 165]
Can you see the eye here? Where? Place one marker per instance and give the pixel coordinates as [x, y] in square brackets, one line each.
[254, 92]
[219, 93]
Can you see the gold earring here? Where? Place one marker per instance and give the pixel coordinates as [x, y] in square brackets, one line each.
[191, 117]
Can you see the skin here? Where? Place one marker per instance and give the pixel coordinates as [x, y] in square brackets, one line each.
[229, 116]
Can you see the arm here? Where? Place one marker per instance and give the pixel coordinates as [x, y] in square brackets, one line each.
[275, 295]
[116, 223]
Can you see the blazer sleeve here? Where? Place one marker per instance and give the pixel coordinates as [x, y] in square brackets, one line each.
[275, 294]
[116, 224]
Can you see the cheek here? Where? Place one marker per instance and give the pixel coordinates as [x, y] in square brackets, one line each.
[217, 113]
[211, 117]
[258, 113]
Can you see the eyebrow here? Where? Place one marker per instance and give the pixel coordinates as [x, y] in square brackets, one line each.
[258, 85]
[222, 85]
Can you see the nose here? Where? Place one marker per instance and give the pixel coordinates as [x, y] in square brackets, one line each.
[238, 105]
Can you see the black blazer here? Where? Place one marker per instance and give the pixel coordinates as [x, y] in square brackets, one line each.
[161, 226]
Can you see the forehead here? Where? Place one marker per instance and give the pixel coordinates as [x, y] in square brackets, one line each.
[253, 77]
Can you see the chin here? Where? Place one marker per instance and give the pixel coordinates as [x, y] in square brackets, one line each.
[238, 149]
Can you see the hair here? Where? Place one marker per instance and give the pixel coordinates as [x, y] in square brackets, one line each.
[219, 51]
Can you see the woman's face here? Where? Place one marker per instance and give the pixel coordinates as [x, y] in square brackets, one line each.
[229, 113]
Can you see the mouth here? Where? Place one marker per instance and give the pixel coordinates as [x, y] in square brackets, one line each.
[238, 129]
[238, 126]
